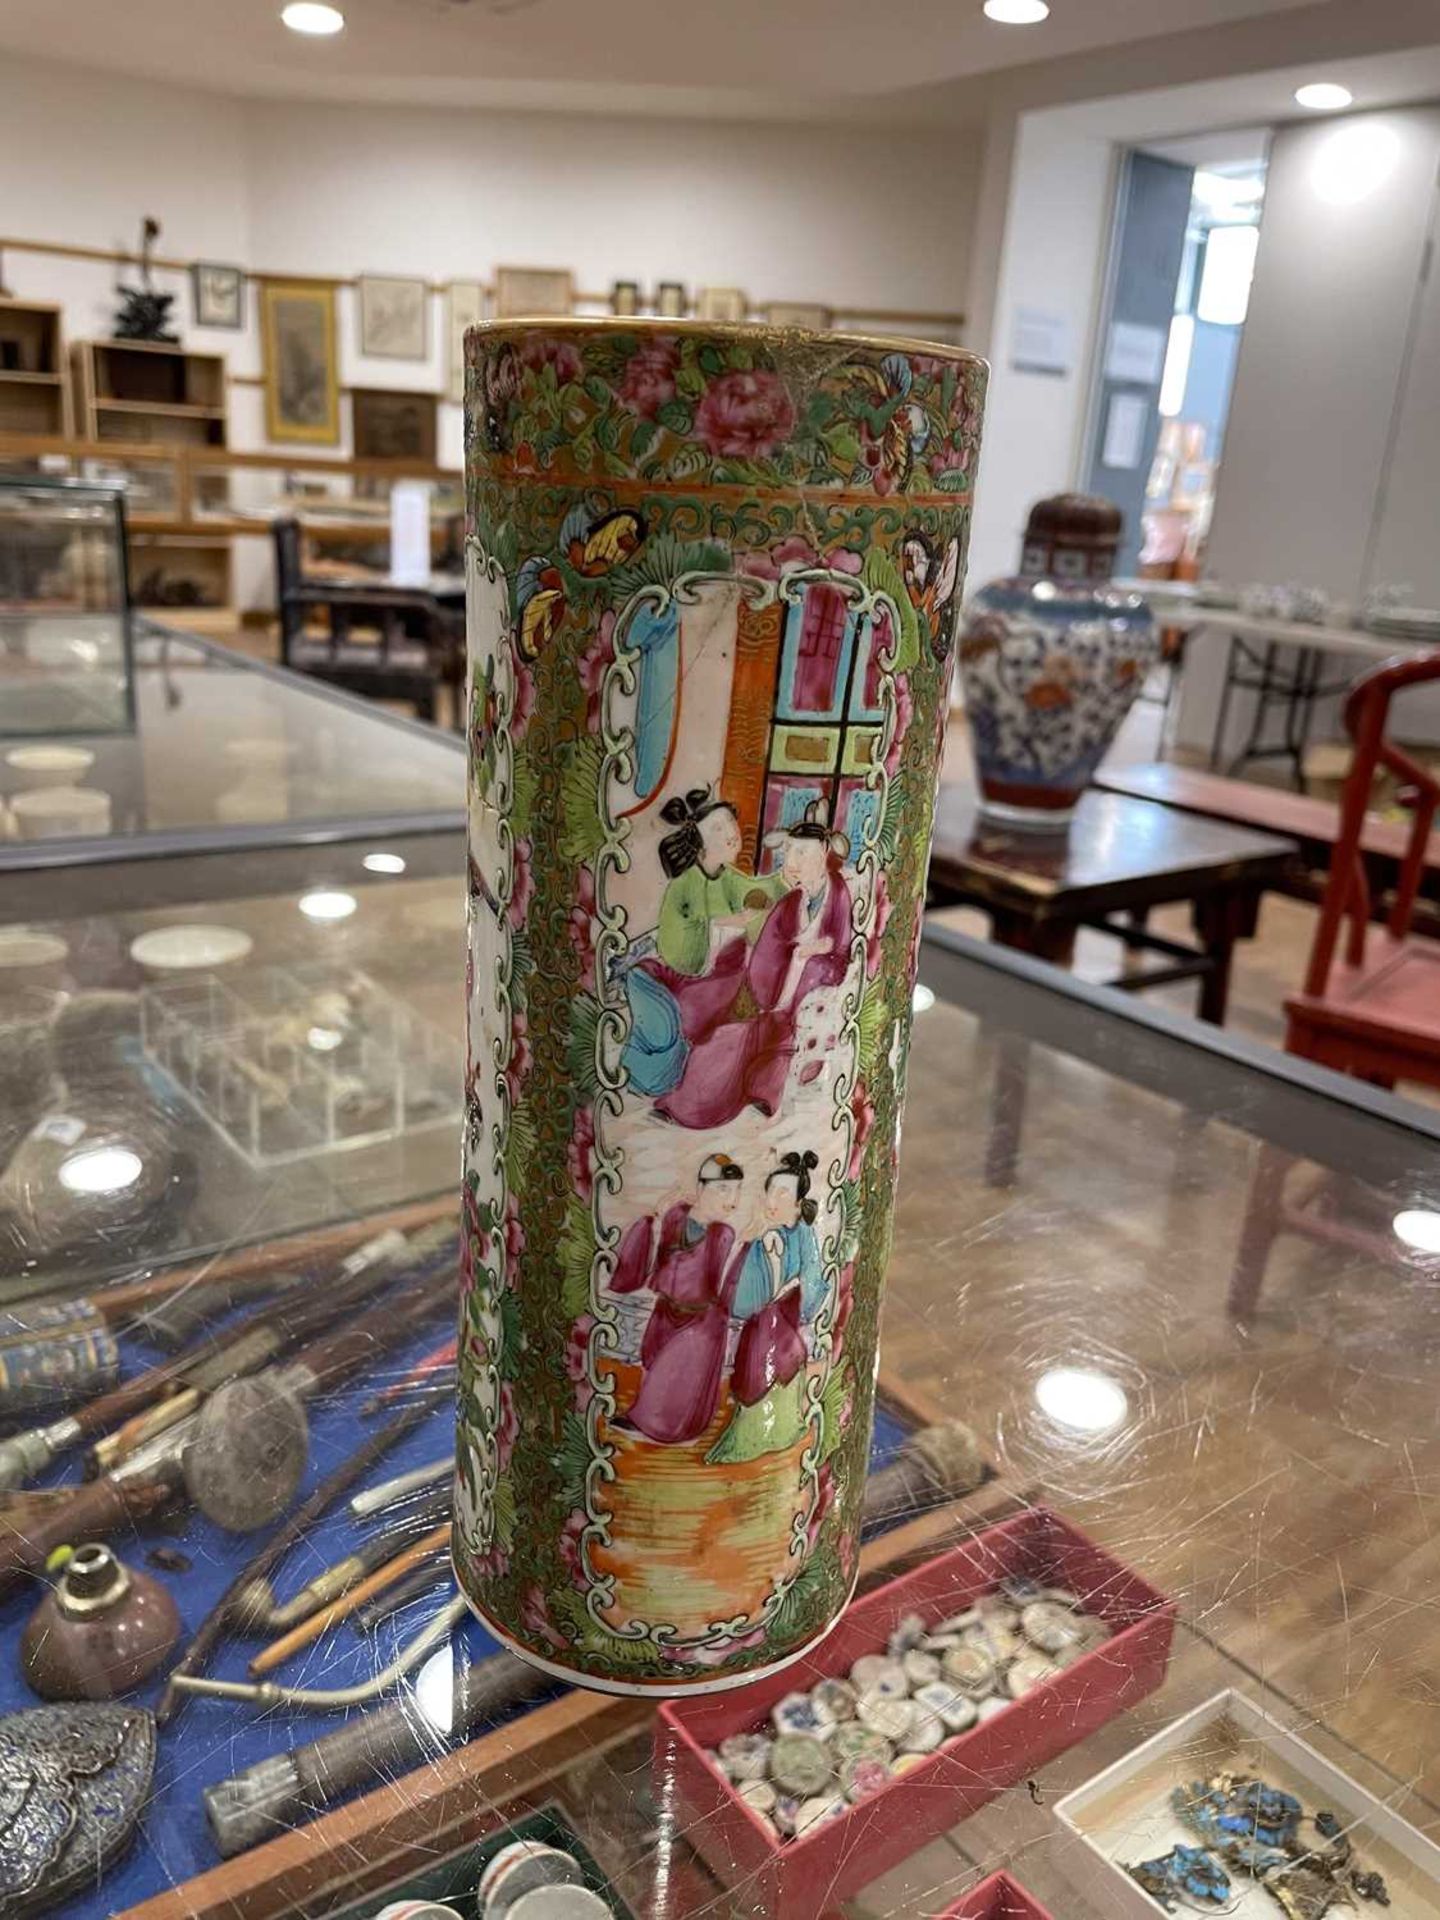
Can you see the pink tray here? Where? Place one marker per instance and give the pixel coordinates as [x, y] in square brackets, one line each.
[801, 1879]
[998, 1898]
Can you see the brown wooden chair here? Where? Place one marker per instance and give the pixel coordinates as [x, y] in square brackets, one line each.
[1370, 1004]
[391, 643]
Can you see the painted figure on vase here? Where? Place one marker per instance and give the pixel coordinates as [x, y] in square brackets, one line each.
[709, 912]
[779, 1289]
[685, 1259]
[744, 1058]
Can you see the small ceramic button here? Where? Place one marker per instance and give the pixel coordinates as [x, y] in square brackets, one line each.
[800, 1764]
[1028, 1672]
[875, 1673]
[891, 1719]
[759, 1796]
[1020, 1590]
[1050, 1627]
[784, 1813]
[907, 1763]
[860, 1778]
[745, 1756]
[560, 1903]
[927, 1730]
[957, 1623]
[815, 1813]
[854, 1742]
[910, 1632]
[835, 1699]
[921, 1669]
[1062, 1597]
[968, 1667]
[987, 1709]
[800, 1713]
[951, 1706]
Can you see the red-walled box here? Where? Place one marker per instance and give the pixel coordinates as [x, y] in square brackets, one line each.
[998, 1898]
[801, 1879]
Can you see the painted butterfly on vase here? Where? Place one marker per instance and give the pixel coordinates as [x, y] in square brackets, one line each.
[594, 539]
[931, 583]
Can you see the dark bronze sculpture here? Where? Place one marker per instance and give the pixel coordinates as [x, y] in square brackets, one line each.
[145, 314]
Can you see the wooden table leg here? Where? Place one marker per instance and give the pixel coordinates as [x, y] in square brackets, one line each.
[1220, 919]
[1047, 940]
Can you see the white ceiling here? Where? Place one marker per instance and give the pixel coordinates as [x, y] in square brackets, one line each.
[741, 57]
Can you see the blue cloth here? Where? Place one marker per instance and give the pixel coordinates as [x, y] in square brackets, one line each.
[799, 1260]
[654, 633]
[656, 1051]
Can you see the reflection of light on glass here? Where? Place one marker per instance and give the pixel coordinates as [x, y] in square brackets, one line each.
[383, 863]
[1419, 1228]
[100, 1170]
[1017, 13]
[1043, 590]
[327, 904]
[1082, 1399]
[312, 16]
[1177, 364]
[435, 1688]
[1323, 96]
[1353, 162]
[924, 998]
[324, 1039]
[1229, 269]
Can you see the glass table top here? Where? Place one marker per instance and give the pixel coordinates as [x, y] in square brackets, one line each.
[1183, 1291]
[222, 751]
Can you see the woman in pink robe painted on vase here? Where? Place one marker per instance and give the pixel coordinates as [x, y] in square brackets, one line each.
[685, 1258]
[804, 945]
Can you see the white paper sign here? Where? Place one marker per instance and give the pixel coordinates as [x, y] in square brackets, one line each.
[1136, 353]
[1041, 341]
[410, 532]
[1124, 431]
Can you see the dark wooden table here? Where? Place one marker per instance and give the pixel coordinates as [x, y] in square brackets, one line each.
[1120, 857]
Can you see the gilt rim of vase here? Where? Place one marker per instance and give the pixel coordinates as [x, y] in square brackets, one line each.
[751, 330]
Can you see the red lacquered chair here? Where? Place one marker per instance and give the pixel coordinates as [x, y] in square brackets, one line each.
[1369, 1006]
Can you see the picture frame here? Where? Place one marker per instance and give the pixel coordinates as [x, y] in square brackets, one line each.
[625, 299]
[394, 317]
[217, 294]
[726, 305]
[464, 308]
[393, 424]
[301, 375]
[533, 292]
[672, 302]
[809, 314]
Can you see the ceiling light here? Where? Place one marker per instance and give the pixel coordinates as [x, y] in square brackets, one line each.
[383, 863]
[1017, 13]
[1081, 1399]
[1323, 96]
[1419, 1228]
[101, 1170]
[324, 904]
[311, 16]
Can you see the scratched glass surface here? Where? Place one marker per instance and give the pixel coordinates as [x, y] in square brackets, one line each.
[1097, 1266]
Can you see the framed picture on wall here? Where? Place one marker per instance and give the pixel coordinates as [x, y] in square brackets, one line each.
[218, 293]
[800, 313]
[465, 307]
[528, 292]
[393, 317]
[671, 300]
[391, 425]
[302, 383]
[726, 304]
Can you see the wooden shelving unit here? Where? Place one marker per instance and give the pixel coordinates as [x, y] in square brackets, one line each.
[34, 397]
[145, 393]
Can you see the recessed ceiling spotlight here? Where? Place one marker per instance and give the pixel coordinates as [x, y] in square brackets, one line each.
[327, 903]
[383, 863]
[1323, 96]
[312, 16]
[1418, 1227]
[1017, 13]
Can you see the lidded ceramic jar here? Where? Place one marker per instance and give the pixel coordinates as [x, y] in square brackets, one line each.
[1050, 663]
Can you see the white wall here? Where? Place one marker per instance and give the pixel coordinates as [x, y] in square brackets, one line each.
[1056, 238]
[837, 215]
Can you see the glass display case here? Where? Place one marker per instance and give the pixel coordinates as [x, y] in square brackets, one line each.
[1203, 1419]
[221, 753]
[66, 658]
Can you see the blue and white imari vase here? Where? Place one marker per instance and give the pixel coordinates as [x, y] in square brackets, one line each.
[1049, 669]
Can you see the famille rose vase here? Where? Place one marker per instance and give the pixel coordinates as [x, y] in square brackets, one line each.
[714, 580]
[1051, 662]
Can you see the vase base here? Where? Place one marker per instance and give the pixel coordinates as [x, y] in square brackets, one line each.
[1028, 819]
[652, 1689]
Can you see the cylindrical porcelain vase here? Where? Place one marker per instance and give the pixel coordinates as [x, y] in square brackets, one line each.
[714, 579]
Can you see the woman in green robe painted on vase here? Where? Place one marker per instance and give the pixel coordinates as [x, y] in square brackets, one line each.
[778, 1292]
[709, 913]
